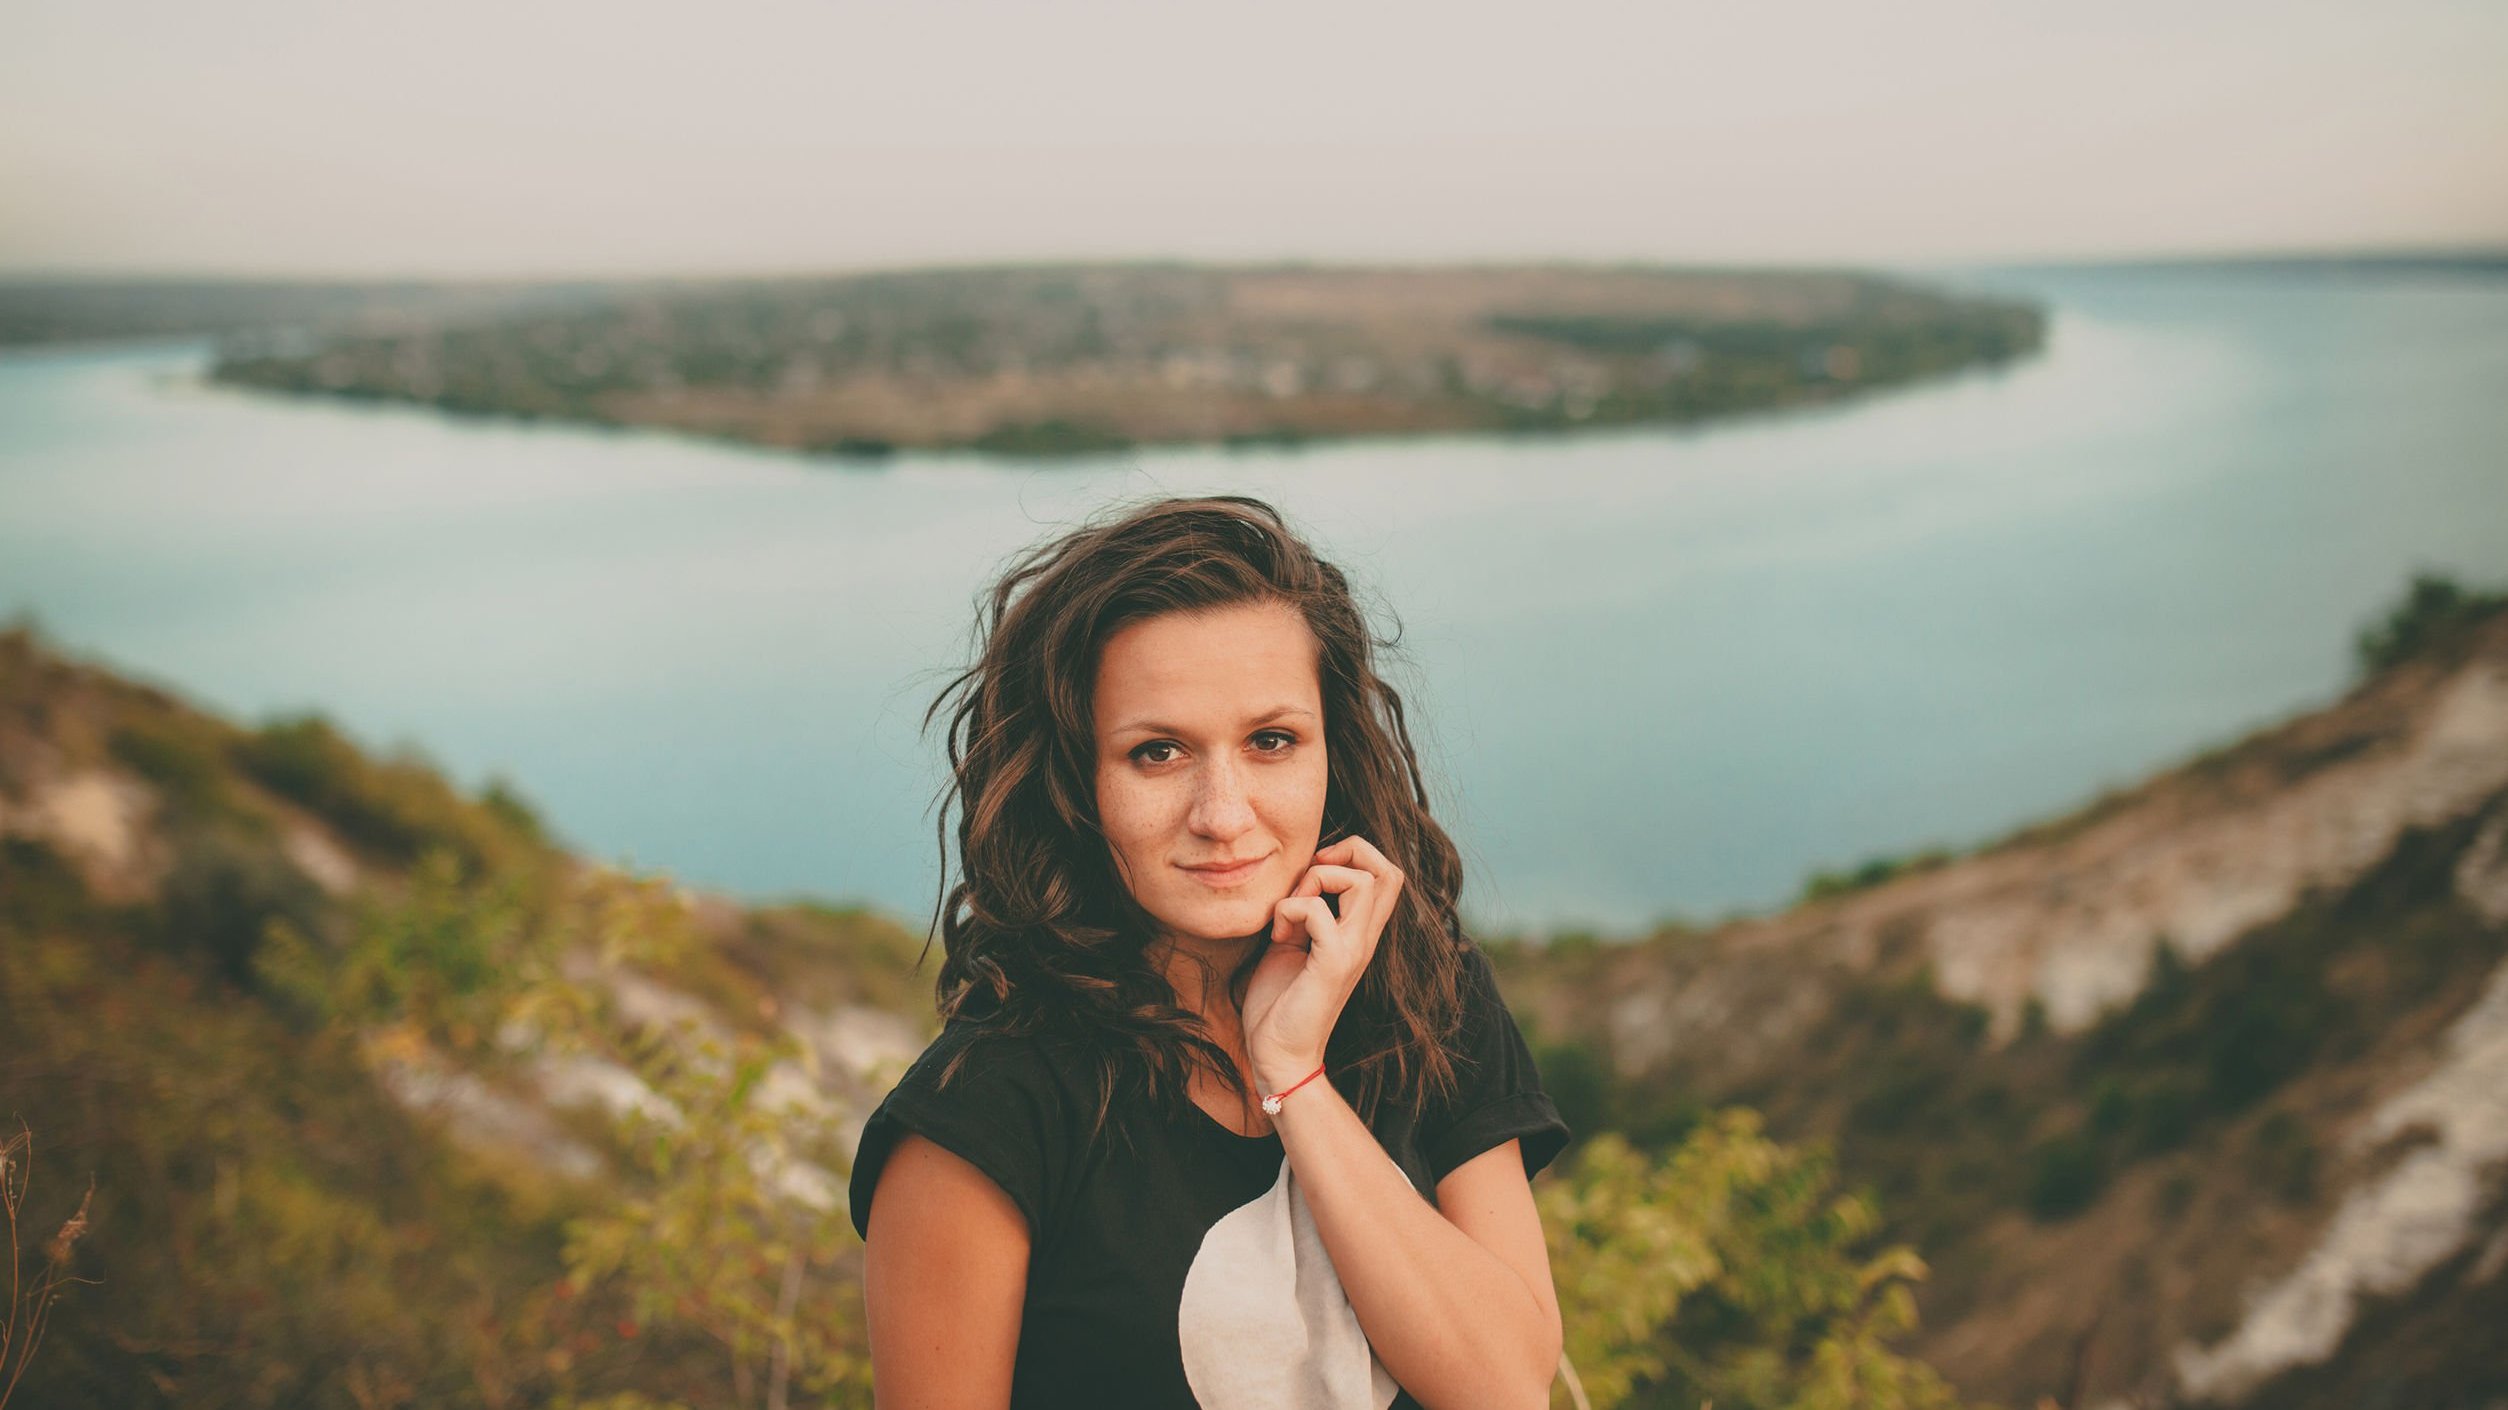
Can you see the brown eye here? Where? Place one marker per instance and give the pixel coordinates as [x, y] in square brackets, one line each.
[1287, 740]
[1141, 752]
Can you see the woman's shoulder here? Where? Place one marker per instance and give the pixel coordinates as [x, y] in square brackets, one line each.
[972, 1060]
[1004, 1100]
[1478, 1000]
[1497, 1093]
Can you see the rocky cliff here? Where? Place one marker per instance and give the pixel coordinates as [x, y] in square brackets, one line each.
[2200, 1093]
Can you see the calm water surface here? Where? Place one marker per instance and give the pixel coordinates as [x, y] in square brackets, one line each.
[1660, 673]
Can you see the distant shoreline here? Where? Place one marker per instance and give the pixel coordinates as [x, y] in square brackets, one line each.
[2476, 262]
[1084, 360]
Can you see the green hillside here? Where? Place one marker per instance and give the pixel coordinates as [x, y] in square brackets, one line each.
[332, 1085]
[328, 1083]
[229, 959]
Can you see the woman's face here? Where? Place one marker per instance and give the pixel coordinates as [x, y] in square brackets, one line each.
[1210, 764]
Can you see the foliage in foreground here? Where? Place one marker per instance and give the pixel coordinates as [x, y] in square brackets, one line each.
[31, 1299]
[266, 1226]
[712, 1264]
[723, 1222]
[1730, 1272]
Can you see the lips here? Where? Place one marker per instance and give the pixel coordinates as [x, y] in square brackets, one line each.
[1226, 875]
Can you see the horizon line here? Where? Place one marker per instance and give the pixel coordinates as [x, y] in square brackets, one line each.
[2333, 254]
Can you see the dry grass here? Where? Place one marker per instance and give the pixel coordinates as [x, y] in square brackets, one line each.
[31, 1303]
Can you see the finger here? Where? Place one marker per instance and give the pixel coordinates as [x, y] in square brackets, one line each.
[1292, 915]
[1340, 946]
[1320, 879]
[1357, 852]
[1366, 856]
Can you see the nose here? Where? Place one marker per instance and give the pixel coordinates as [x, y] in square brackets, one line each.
[1221, 811]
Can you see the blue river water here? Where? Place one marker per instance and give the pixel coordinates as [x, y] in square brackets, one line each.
[1658, 673]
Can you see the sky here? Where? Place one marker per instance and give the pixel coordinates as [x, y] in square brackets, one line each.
[565, 137]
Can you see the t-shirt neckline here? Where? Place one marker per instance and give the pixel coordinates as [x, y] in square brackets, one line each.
[1223, 1129]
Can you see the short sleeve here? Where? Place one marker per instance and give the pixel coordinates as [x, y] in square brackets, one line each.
[1001, 1112]
[1498, 1094]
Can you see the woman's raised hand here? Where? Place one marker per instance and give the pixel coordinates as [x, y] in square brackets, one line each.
[1316, 958]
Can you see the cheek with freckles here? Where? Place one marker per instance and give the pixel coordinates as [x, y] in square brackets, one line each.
[1138, 824]
[1210, 763]
[1149, 825]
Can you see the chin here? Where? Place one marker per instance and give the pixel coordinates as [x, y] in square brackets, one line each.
[1222, 919]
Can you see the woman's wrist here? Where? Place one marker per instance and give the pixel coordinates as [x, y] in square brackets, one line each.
[1275, 1076]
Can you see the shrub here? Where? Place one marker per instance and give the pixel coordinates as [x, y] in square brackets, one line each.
[1823, 885]
[2434, 610]
[188, 769]
[445, 958]
[223, 894]
[396, 808]
[1731, 1271]
[514, 810]
[702, 1241]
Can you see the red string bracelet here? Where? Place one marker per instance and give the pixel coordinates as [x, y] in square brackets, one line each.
[1271, 1104]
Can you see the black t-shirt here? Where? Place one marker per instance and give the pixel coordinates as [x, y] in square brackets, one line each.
[1183, 1268]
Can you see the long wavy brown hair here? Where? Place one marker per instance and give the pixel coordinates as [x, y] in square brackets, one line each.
[1042, 935]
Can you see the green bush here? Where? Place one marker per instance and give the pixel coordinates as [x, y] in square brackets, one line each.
[222, 895]
[2434, 610]
[2145, 1116]
[396, 808]
[445, 957]
[268, 1228]
[693, 1242]
[1730, 1271]
[1823, 885]
[44, 891]
[2260, 1014]
[186, 765]
[513, 810]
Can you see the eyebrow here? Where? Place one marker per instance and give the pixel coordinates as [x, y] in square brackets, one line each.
[1277, 712]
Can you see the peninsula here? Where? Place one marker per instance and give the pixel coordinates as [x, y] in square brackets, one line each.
[1079, 359]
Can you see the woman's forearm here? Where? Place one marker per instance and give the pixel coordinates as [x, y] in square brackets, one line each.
[1450, 1319]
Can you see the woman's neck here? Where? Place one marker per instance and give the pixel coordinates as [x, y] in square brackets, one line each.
[1197, 970]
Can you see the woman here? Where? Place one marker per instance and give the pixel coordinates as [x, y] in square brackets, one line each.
[1225, 1110]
